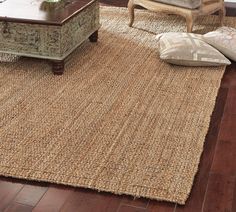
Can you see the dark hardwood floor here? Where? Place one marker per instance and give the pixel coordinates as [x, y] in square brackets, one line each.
[214, 187]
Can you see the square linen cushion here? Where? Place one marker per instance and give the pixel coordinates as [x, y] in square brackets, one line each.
[223, 39]
[189, 50]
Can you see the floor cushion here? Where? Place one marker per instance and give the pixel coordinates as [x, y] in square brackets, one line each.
[189, 50]
[223, 39]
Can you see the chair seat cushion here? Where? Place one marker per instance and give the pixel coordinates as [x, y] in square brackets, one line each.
[191, 4]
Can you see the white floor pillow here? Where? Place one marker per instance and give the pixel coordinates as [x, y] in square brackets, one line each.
[189, 50]
[223, 39]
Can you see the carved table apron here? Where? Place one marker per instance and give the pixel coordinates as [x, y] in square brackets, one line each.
[53, 41]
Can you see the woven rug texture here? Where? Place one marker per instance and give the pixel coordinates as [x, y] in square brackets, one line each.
[118, 120]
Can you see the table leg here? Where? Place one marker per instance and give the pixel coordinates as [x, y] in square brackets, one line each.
[94, 37]
[58, 67]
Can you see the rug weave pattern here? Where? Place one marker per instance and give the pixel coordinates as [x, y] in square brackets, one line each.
[118, 120]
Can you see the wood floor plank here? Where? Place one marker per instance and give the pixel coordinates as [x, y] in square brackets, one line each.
[88, 200]
[53, 199]
[234, 198]
[30, 195]
[217, 115]
[220, 192]
[155, 206]
[229, 78]
[8, 191]
[225, 158]
[16, 207]
[227, 129]
[230, 107]
[130, 208]
[138, 202]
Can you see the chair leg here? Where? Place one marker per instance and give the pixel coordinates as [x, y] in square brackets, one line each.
[222, 13]
[189, 21]
[131, 12]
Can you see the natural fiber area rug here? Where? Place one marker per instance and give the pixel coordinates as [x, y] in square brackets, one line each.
[118, 120]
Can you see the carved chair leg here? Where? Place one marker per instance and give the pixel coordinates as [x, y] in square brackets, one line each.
[131, 12]
[222, 13]
[189, 21]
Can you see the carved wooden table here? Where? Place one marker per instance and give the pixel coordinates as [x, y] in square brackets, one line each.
[31, 28]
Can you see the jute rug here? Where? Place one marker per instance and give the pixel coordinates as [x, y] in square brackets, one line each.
[118, 120]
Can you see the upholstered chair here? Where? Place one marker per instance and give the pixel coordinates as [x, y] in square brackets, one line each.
[189, 9]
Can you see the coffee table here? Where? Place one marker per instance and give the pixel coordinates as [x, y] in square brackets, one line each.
[31, 28]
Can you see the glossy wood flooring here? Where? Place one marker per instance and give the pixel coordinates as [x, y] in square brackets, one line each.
[214, 187]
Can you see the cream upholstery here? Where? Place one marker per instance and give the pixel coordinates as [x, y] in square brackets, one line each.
[191, 4]
[189, 9]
